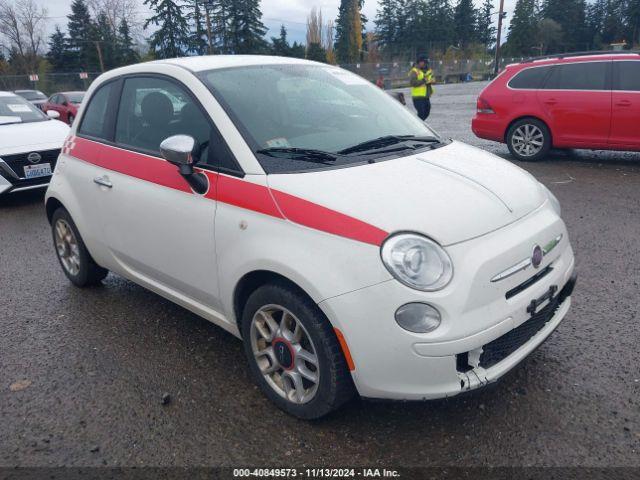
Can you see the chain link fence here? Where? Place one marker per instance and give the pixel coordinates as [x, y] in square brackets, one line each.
[396, 74]
[48, 83]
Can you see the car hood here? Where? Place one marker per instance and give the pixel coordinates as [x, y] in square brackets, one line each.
[451, 194]
[19, 137]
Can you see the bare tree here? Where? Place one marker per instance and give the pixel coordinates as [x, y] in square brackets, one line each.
[116, 10]
[328, 42]
[314, 27]
[22, 26]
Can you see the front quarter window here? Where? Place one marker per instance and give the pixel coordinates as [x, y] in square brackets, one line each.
[298, 117]
[95, 121]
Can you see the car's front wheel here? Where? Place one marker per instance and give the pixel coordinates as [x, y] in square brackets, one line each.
[529, 140]
[293, 352]
[72, 253]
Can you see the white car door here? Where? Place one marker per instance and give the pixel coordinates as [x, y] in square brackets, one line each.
[159, 232]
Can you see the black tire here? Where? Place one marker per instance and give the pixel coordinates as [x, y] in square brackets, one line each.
[335, 386]
[529, 123]
[89, 272]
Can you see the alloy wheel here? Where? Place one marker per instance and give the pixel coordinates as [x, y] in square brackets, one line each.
[285, 354]
[527, 140]
[67, 247]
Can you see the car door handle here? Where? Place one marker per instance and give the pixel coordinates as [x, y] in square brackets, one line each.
[103, 182]
[551, 101]
[623, 103]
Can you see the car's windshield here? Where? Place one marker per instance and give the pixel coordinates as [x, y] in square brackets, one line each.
[15, 109]
[32, 95]
[75, 97]
[299, 117]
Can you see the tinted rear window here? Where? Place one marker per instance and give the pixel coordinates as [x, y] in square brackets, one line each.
[529, 78]
[578, 76]
[627, 76]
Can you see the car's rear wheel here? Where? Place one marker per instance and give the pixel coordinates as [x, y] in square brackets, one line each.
[72, 253]
[293, 352]
[529, 140]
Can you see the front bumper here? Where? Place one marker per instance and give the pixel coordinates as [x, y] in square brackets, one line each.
[12, 174]
[392, 363]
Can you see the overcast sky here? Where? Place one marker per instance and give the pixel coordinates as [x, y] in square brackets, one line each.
[291, 13]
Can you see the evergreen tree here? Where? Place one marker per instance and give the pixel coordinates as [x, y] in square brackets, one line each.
[82, 37]
[440, 23]
[218, 13]
[486, 30]
[107, 37]
[198, 41]
[464, 19]
[523, 29]
[571, 16]
[280, 45]
[172, 37]
[126, 55]
[633, 21]
[316, 53]
[387, 22]
[245, 28]
[297, 50]
[58, 54]
[348, 43]
[613, 29]
[595, 22]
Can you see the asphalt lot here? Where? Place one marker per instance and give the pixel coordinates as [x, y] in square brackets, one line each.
[99, 360]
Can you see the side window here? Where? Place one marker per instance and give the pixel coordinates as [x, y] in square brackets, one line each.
[152, 109]
[95, 121]
[54, 99]
[579, 76]
[529, 78]
[627, 76]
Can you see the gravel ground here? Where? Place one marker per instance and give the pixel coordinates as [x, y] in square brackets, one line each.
[83, 373]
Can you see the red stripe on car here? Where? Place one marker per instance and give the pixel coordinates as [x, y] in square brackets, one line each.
[318, 217]
[229, 190]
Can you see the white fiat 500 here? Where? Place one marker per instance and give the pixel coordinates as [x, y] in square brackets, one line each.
[309, 213]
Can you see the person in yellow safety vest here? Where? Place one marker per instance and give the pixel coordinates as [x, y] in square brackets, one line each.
[421, 81]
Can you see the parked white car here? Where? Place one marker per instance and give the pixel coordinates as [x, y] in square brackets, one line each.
[30, 142]
[309, 213]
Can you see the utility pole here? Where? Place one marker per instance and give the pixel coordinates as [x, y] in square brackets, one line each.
[500, 17]
[100, 56]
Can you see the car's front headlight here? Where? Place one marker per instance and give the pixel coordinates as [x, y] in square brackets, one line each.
[555, 203]
[417, 261]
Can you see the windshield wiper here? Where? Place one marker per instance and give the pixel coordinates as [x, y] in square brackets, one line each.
[387, 141]
[304, 154]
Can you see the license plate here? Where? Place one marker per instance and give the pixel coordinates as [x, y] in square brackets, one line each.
[35, 171]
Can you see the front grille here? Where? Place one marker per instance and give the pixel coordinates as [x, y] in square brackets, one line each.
[529, 282]
[502, 347]
[496, 351]
[18, 161]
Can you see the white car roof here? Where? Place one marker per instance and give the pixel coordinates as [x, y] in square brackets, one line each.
[7, 94]
[210, 62]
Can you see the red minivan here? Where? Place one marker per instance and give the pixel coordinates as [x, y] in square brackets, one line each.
[589, 101]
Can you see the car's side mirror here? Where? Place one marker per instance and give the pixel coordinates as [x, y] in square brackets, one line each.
[64, 104]
[53, 114]
[179, 150]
